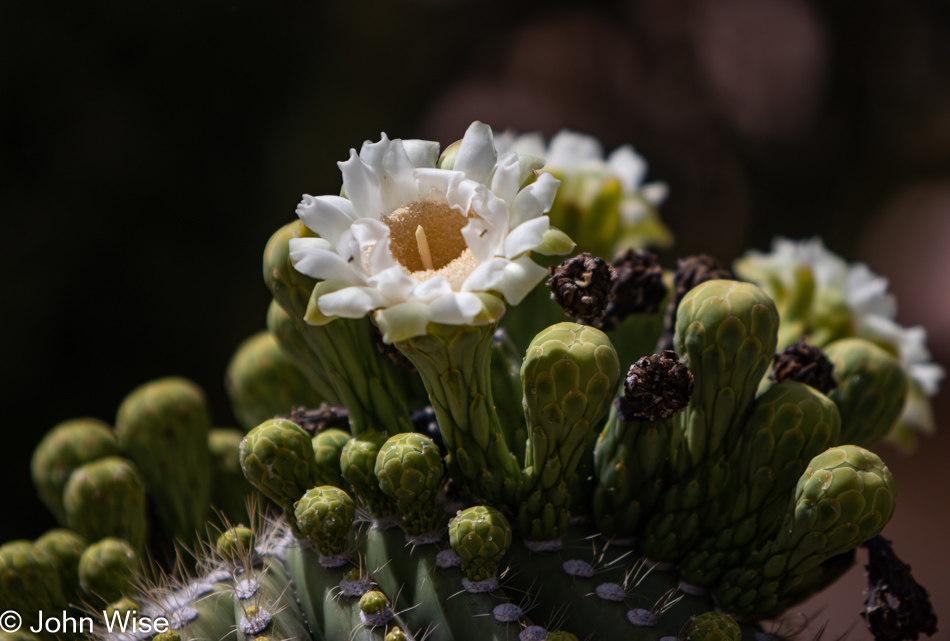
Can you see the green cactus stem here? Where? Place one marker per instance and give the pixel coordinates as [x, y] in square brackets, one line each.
[360, 376]
[454, 363]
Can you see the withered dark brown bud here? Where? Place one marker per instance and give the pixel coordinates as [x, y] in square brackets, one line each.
[314, 421]
[637, 289]
[805, 364]
[581, 285]
[898, 608]
[690, 272]
[657, 387]
[392, 352]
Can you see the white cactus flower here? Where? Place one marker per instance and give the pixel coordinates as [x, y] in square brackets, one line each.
[413, 243]
[579, 156]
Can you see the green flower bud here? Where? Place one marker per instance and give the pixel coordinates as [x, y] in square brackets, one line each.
[373, 602]
[262, 382]
[163, 427]
[358, 468]
[325, 515]
[570, 376]
[107, 498]
[108, 567]
[64, 448]
[727, 331]
[872, 388]
[327, 448]
[236, 543]
[29, 581]
[64, 548]
[480, 535]
[561, 636]
[123, 605]
[409, 470]
[396, 634]
[277, 458]
[713, 626]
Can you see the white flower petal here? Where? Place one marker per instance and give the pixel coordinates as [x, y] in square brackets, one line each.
[655, 193]
[362, 187]
[393, 168]
[483, 239]
[394, 284]
[476, 155]
[403, 321]
[490, 207]
[327, 216]
[507, 178]
[303, 244]
[422, 153]
[455, 308]
[628, 166]
[428, 291]
[531, 144]
[928, 376]
[570, 150]
[486, 276]
[381, 258]
[327, 265]
[534, 200]
[436, 183]
[520, 277]
[526, 236]
[351, 302]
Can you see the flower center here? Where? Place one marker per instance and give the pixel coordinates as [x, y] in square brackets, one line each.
[425, 237]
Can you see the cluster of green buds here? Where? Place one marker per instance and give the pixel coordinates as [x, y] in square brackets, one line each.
[534, 491]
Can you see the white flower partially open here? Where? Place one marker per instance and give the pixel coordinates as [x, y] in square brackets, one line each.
[582, 156]
[413, 243]
[851, 288]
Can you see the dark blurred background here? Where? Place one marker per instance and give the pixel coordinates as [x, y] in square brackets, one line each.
[148, 151]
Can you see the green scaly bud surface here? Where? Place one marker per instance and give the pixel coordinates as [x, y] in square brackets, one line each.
[480, 535]
[713, 626]
[106, 498]
[277, 458]
[358, 468]
[29, 582]
[570, 376]
[327, 448]
[262, 382]
[64, 548]
[107, 568]
[872, 387]
[409, 469]
[163, 427]
[64, 448]
[845, 497]
[325, 515]
[236, 543]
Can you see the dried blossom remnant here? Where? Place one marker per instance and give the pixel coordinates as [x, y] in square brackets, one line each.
[582, 285]
[657, 387]
[637, 289]
[898, 608]
[690, 272]
[805, 364]
[314, 421]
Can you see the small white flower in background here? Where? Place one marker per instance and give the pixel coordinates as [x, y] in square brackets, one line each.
[413, 243]
[825, 296]
[578, 160]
